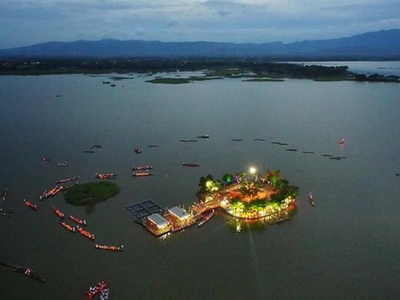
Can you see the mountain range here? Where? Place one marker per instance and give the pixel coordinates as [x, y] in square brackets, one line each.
[383, 44]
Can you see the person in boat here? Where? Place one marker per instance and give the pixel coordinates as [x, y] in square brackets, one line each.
[28, 272]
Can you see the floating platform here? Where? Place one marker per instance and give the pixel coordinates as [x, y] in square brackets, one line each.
[144, 209]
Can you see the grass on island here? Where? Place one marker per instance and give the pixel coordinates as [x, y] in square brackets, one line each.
[91, 193]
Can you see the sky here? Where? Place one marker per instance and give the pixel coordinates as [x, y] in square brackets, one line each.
[27, 22]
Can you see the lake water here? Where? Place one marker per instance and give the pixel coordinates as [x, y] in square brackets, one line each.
[345, 247]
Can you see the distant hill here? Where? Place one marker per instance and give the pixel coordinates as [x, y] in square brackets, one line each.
[383, 44]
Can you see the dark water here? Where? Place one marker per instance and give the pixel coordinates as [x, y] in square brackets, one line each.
[347, 246]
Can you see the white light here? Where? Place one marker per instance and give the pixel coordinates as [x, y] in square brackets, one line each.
[252, 170]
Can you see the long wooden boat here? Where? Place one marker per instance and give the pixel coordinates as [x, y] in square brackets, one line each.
[67, 179]
[190, 165]
[30, 204]
[105, 175]
[100, 288]
[111, 248]
[141, 168]
[67, 226]
[4, 195]
[26, 271]
[142, 174]
[51, 193]
[58, 212]
[77, 220]
[86, 233]
[6, 212]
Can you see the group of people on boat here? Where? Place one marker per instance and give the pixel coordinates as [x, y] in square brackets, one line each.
[111, 248]
[101, 288]
[105, 175]
[85, 233]
[51, 193]
[140, 174]
[30, 204]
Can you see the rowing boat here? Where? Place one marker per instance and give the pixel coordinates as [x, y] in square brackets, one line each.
[30, 204]
[141, 174]
[85, 233]
[58, 212]
[26, 271]
[77, 220]
[67, 179]
[105, 175]
[67, 226]
[111, 248]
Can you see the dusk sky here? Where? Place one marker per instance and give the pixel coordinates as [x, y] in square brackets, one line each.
[27, 22]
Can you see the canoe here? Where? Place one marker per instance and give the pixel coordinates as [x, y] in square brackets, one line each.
[58, 212]
[105, 175]
[67, 226]
[141, 174]
[110, 248]
[30, 204]
[77, 220]
[86, 233]
[26, 271]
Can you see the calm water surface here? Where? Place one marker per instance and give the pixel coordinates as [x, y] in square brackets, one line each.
[345, 247]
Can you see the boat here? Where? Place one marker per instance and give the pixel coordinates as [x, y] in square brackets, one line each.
[137, 150]
[311, 199]
[206, 217]
[111, 248]
[96, 147]
[67, 179]
[30, 204]
[51, 193]
[341, 141]
[141, 174]
[291, 149]
[77, 220]
[85, 233]
[45, 159]
[6, 213]
[142, 168]
[190, 165]
[204, 136]
[26, 271]
[183, 141]
[67, 226]
[259, 140]
[58, 212]
[237, 140]
[4, 195]
[101, 288]
[105, 175]
[62, 164]
[154, 146]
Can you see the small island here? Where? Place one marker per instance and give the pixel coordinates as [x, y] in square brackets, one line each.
[249, 196]
[90, 193]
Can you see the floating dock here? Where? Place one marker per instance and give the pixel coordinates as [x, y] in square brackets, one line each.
[159, 220]
[144, 209]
